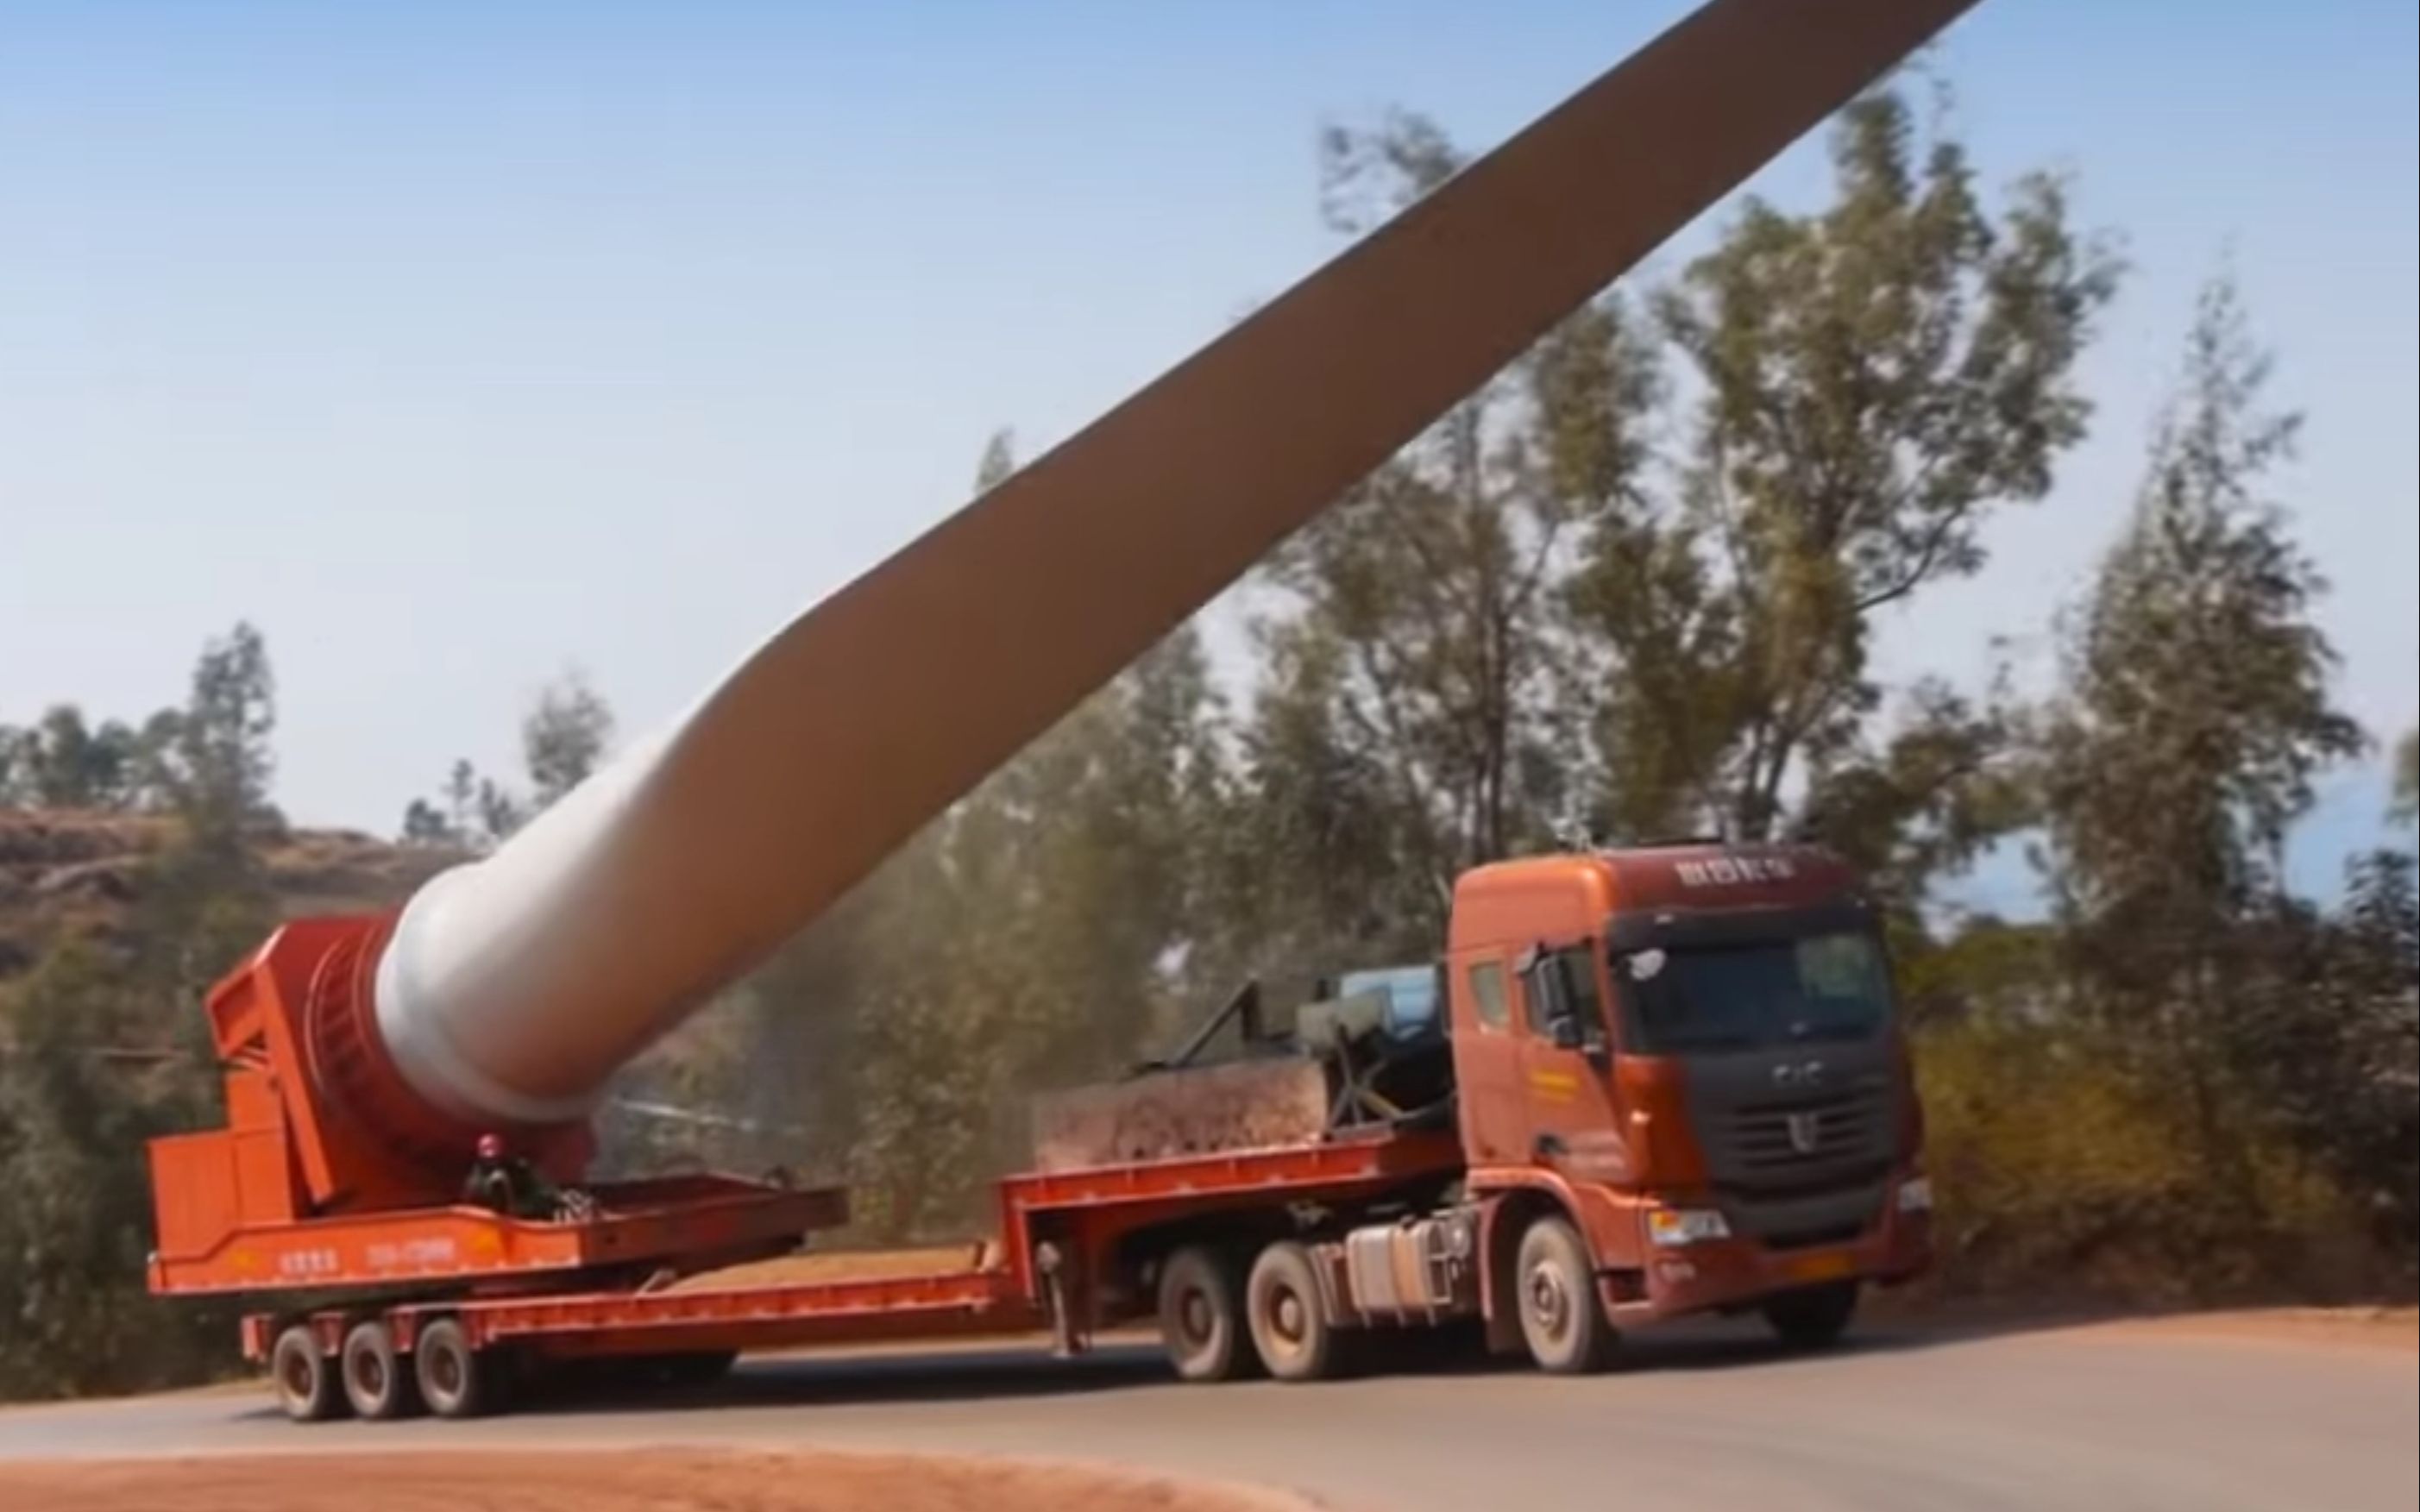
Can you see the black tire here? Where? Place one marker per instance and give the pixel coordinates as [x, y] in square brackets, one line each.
[1291, 1329]
[454, 1381]
[1814, 1319]
[304, 1378]
[1555, 1288]
[377, 1381]
[1201, 1316]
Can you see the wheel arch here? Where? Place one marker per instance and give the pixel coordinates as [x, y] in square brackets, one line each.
[1507, 1215]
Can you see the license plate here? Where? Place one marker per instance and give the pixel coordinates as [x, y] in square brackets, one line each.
[1827, 1265]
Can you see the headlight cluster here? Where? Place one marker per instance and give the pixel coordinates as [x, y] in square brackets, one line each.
[1675, 1226]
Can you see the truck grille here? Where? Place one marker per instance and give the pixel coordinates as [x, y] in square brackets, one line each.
[1783, 1138]
[1797, 1166]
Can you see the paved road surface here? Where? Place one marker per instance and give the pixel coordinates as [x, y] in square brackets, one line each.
[2113, 1418]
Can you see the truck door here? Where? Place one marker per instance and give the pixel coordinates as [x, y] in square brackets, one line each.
[1567, 1067]
[1493, 1100]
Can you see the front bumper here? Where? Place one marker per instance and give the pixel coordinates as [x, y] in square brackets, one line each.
[1714, 1275]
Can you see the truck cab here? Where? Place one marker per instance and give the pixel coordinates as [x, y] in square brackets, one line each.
[1693, 1052]
[1636, 1084]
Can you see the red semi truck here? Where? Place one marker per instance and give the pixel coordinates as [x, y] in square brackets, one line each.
[1636, 1083]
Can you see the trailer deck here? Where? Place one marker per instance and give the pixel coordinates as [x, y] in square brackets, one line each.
[691, 1222]
[1074, 1216]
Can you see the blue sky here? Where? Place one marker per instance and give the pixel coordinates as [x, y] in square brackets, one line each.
[456, 345]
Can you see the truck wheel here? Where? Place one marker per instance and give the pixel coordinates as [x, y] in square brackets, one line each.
[1813, 1319]
[1290, 1328]
[1556, 1285]
[377, 1382]
[1198, 1321]
[455, 1380]
[304, 1378]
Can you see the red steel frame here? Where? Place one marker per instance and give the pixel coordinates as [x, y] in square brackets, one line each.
[686, 1223]
[1088, 1211]
[323, 1177]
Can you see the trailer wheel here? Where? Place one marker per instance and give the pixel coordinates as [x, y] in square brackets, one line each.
[1814, 1319]
[1290, 1327]
[304, 1378]
[455, 1380]
[1200, 1324]
[377, 1382]
[1561, 1322]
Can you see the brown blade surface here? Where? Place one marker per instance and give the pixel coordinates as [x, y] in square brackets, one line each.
[869, 714]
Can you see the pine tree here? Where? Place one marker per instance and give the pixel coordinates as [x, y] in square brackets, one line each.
[2196, 713]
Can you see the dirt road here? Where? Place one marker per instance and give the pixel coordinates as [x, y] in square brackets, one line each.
[618, 1480]
[2210, 1417]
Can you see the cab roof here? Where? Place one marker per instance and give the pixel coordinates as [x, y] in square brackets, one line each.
[1577, 892]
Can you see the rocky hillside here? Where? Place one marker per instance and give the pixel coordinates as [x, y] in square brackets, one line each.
[68, 871]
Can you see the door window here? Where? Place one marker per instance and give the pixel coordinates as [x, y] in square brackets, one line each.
[1487, 995]
[1543, 1000]
[1577, 986]
[1562, 992]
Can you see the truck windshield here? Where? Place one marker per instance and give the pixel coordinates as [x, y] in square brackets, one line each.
[1754, 994]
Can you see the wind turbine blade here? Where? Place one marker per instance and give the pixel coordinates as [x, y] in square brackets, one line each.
[517, 985]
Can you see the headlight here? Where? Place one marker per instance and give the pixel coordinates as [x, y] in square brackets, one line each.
[1675, 1226]
[1916, 1195]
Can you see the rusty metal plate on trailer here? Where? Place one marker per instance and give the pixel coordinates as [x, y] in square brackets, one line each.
[1252, 1104]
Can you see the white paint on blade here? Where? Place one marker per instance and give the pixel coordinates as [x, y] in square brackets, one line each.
[470, 991]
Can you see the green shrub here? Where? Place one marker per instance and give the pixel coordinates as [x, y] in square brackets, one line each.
[2066, 1169]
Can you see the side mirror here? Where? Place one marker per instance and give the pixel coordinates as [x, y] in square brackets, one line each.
[1566, 1034]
